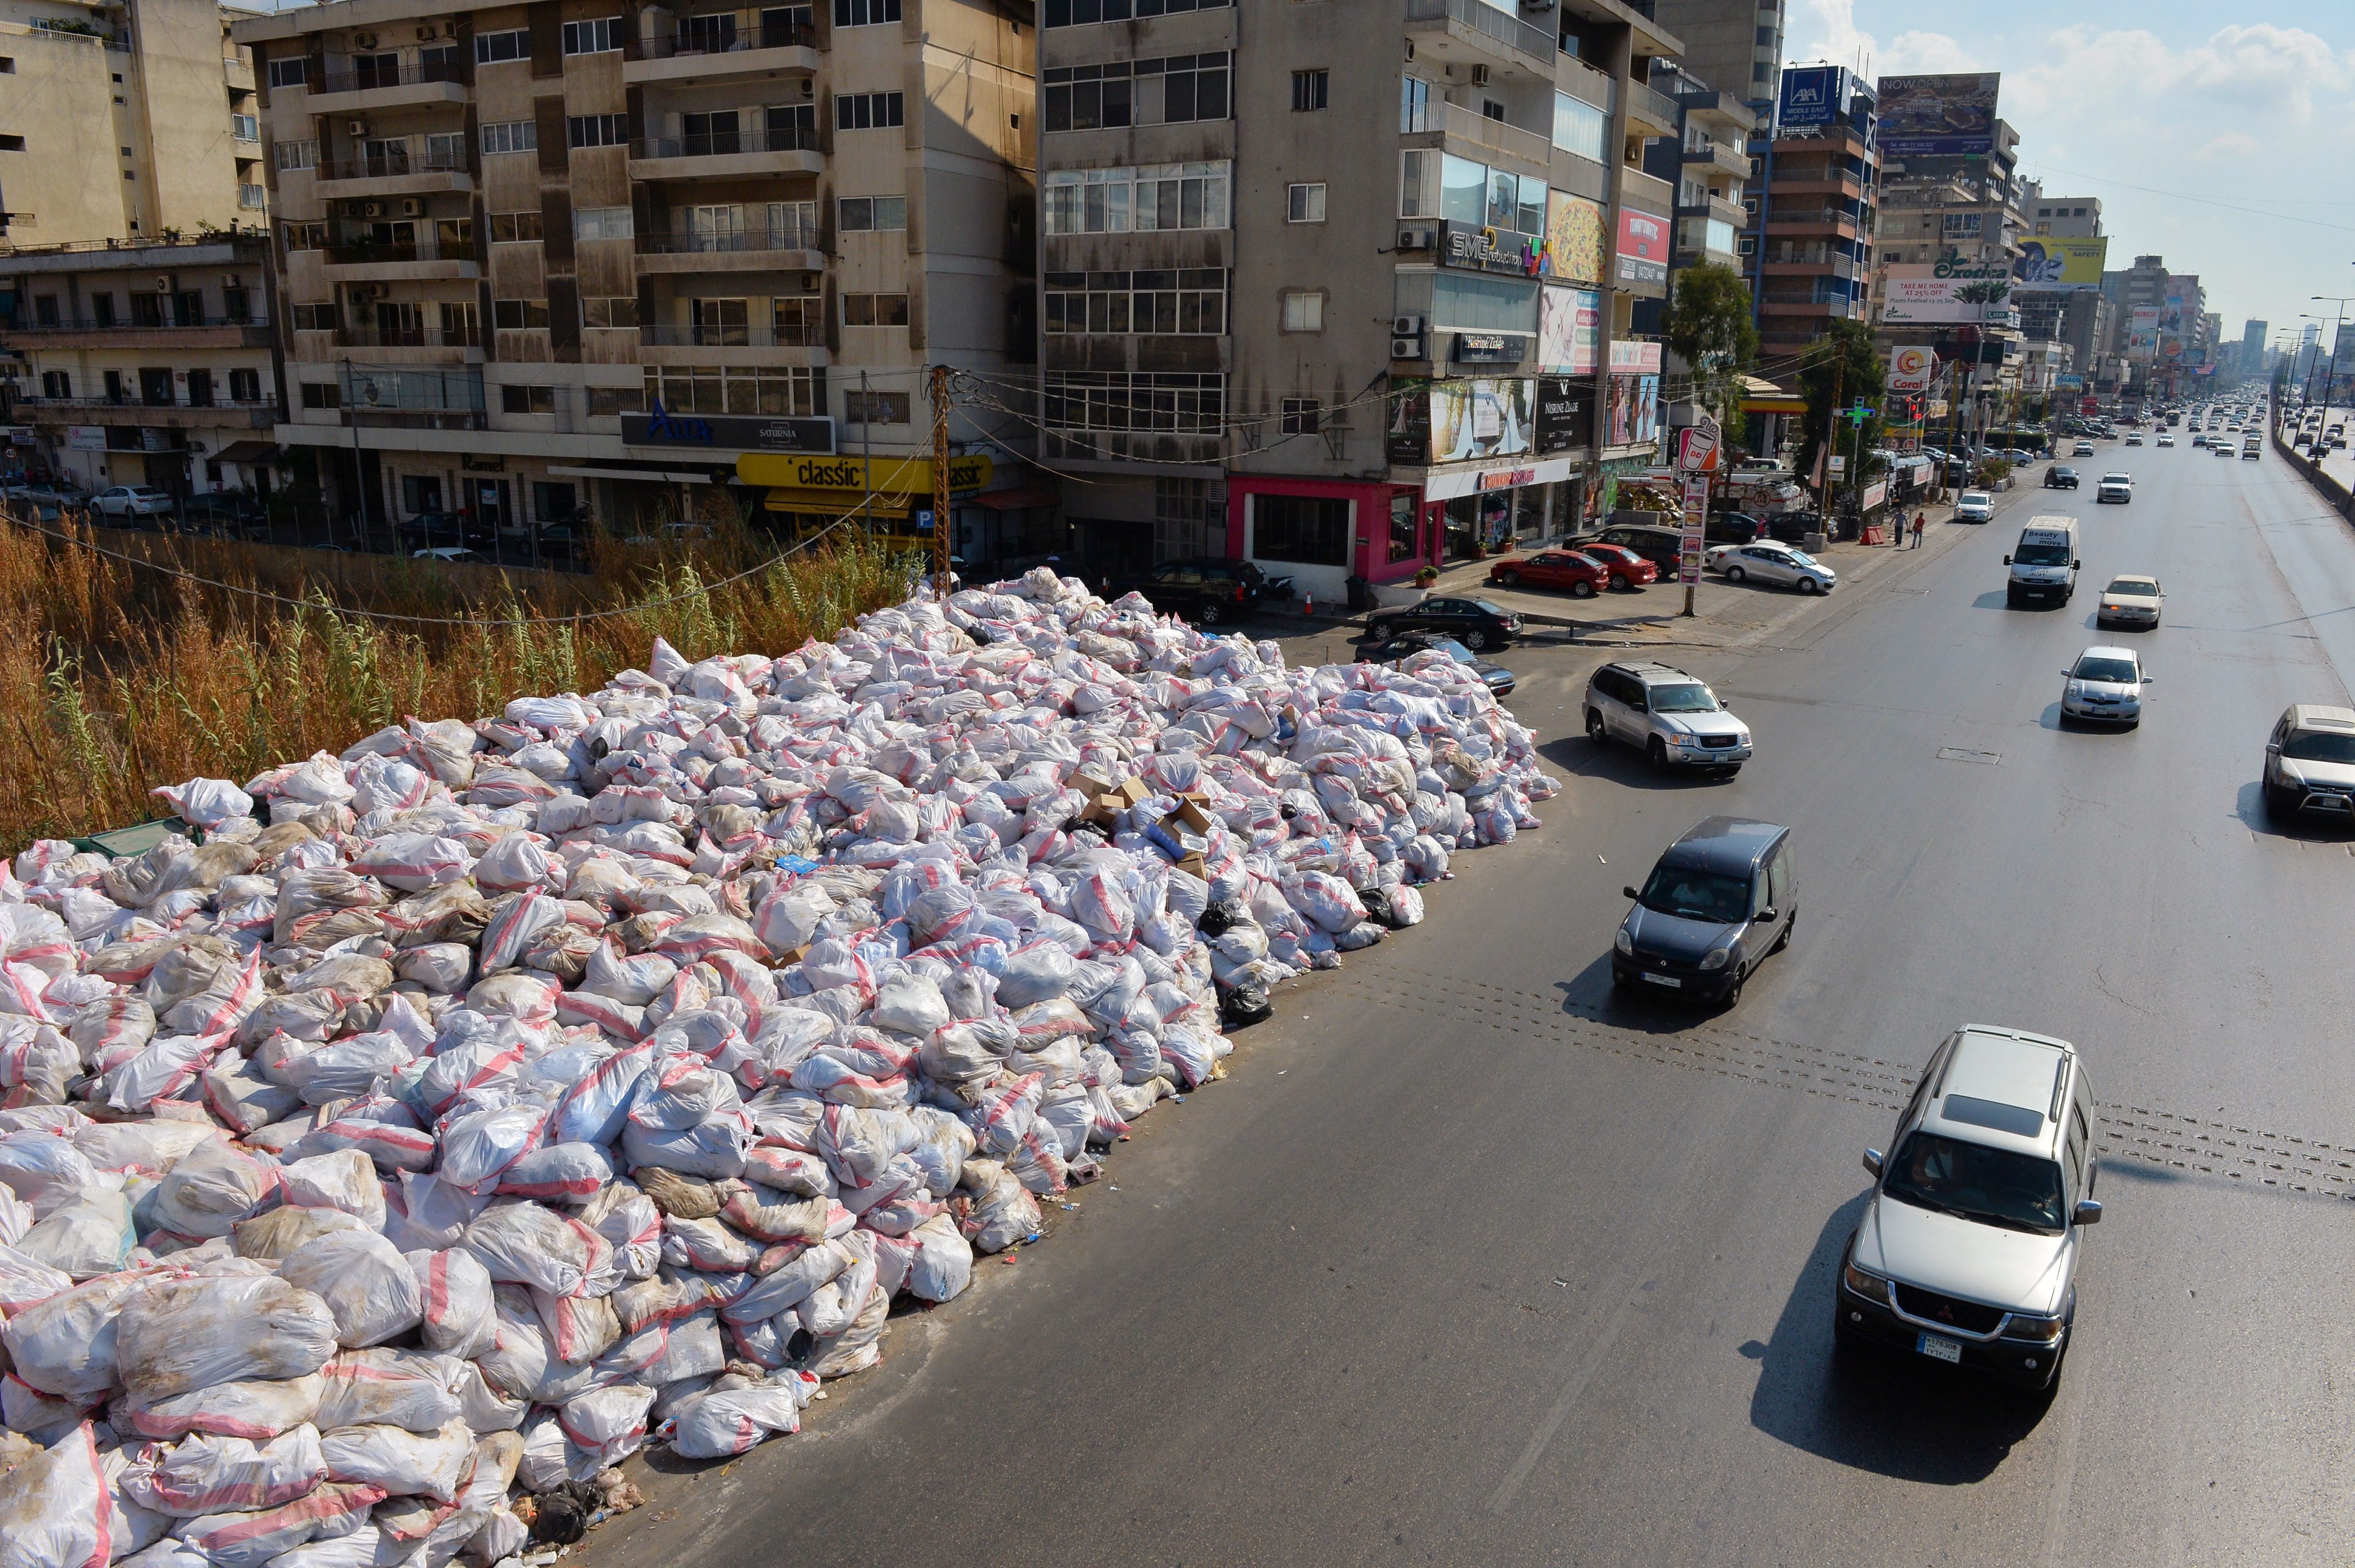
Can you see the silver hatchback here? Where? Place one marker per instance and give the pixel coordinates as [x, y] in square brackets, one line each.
[1671, 717]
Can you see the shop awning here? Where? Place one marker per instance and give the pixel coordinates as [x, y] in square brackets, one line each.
[651, 475]
[245, 451]
[835, 503]
[1016, 500]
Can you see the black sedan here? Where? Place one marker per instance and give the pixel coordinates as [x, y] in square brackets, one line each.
[432, 530]
[1395, 650]
[2058, 478]
[1204, 591]
[1478, 625]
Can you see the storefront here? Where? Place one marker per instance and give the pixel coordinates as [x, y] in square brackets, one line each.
[1322, 532]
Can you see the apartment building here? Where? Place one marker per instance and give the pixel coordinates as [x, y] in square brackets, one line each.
[1811, 200]
[652, 260]
[1355, 298]
[141, 363]
[124, 120]
[2060, 217]
[1735, 46]
[1708, 162]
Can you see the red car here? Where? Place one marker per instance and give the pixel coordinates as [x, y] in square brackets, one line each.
[1582, 574]
[1628, 570]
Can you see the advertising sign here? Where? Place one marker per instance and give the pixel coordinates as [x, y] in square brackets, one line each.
[1631, 411]
[1565, 414]
[1911, 369]
[1574, 247]
[1912, 294]
[1635, 358]
[1473, 420]
[1491, 348]
[1811, 96]
[854, 476]
[1697, 447]
[726, 432]
[1479, 249]
[1695, 520]
[2048, 263]
[1408, 439]
[2142, 333]
[85, 438]
[1938, 116]
[1570, 331]
[1643, 248]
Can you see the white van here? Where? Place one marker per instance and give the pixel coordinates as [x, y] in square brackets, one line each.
[2044, 562]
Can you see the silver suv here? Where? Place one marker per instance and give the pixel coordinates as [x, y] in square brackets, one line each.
[1967, 1250]
[1671, 717]
[2310, 762]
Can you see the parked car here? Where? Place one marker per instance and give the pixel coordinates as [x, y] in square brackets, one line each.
[2130, 602]
[1580, 575]
[1478, 624]
[1204, 590]
[2105, 685]
[445, 553]
[1660, 546]
[1721, 898]
[2310, 763]
[1967, 1249]
[1775, 563]
[1671, 717]
[432, 530]
[229, 513]
[2060, 478]
[1733, 527]
[129, 502]
[1406, 644]
[1628, 570]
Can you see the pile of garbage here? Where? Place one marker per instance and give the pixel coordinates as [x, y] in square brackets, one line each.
[460, 1114]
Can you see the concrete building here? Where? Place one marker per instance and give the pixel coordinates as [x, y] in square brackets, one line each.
[1811, 200]
[142, 364]
[2060, 217]
[124, 120]
[2254, 336]
[538, 257]
[1735, 46]
[1708, 162]
[1365, 302]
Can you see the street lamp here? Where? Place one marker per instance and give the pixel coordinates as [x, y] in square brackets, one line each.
[2329, 380]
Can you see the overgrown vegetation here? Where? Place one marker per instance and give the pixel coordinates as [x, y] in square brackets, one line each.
[116, 678]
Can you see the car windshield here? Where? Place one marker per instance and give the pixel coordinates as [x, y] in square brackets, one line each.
[2132, 587]
[2319, 746]
[2041, 555]
[1975, 498]
[1999, 1187]
[1697, 895]
[1690, 697]
[2118, 672]
[1802, 557]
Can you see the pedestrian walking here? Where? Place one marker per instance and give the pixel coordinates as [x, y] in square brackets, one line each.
[1920, 519]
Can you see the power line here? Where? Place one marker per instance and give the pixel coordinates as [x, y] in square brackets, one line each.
[2206, 201]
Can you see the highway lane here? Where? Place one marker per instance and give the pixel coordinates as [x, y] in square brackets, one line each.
[1473, 1262]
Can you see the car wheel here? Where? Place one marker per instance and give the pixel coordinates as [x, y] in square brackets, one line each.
[1789, 926]
[1658, 752]
[1619, 586]
[1594, 730]
[1509, 578]
[1581, 590]
[1208, 615]
[1734, 574]
[1810, 587]
[1476, 640]
[1732, 997]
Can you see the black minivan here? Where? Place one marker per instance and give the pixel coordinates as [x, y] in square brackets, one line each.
[1205, 590]
[1721, 898]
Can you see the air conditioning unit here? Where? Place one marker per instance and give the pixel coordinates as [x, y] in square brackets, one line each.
[357, 127]
[1479, 76]
[1406, 348]
[1417, 239]
[1410, 49]
[372, 209]
[163, 285]
[810, 282]
[364, 40]
[232, 280]
[1407, 327]
[424, 33]
[411, 208]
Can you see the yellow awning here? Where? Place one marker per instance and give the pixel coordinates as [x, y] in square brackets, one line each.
[840, 476]
[834, 503]
[1772, 406]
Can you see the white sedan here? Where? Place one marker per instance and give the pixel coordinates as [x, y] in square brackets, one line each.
[1769, 562]
[2166, 441]
[2130, 602]
[134, 501]
[2104, 684]
[1975, 507]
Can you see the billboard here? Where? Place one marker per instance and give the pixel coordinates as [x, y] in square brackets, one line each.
[1570, 331]
[2048, 263]
[1932, 294]
[1643, 248]
[1812, 95]
[1632, 411]
[1631, 357]
[1911, 369]
[1460, 421]
[1565, 414]
[1574, 238]
[1938, 116]
[2142, 333]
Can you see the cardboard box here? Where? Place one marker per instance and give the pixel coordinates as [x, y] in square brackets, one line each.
[1132, 791]
[1088, 784]
[1192, 864]
[1192, 811]
[1104, 808]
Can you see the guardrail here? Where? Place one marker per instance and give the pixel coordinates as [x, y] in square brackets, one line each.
[720, 143]
[752, 237]
[752, 334]
[725, 32]
[1510, 31]
[80, 324]
[389, 165]
[363, 80]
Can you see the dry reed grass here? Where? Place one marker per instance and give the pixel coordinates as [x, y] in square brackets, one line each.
[116, 678]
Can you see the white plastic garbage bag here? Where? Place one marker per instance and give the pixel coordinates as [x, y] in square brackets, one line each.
[732, 1420]
[211, 1473]
[174, 1335]
[364, 1280]
[55, 1512]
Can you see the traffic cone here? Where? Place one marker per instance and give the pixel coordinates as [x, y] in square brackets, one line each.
[1308, 605]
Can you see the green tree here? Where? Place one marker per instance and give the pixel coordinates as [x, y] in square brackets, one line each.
[1841, 370]
[1708, 326]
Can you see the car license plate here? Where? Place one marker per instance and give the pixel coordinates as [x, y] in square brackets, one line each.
[2336, 802]
[1940, 1350]
[1668, 980]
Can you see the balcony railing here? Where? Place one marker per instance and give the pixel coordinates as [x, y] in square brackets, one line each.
[720, 143]
[1494, 136]
[1655, 108]
[365, 77]
[80, 324]
[751, 236]
[388, 166]
[366, 253]
[376, 335]
[231, 410]
[1513, 33]
[755, 334]
[732, 32]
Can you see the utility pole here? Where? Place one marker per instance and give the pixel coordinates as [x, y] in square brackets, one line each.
[940, 483]
[866, 458]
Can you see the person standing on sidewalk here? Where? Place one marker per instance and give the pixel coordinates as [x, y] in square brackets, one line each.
[1920, 519]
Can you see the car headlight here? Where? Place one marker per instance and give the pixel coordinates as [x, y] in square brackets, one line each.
[1624, 942]
[2039, 1330]
[1716, 957]
[1871, 1286]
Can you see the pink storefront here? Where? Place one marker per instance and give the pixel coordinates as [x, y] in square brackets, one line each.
[1322, 532]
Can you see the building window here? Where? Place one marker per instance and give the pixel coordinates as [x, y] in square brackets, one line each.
[286, 73]
[1303, 204]
[320, 395]
[316, 317]
[1760, 72]
[876, 214]
[10, 144]
[245, 127]
[1579, 127]
[794, 390]
[1298, 416]
[875, 408]
[1079, 13]
[603, 36]
[518, 315]
[598, 130]
[45, 311]
[56, 385]
[245, 386]
[616, 311]
[1118, 201]
[601, 223]
[1309, 90]
[1183, 522]
[1175, 90]
[875, 310]
[513, 227]
[517, 398]
[301, 155]
[1164, 400]
[492, 47]
[1415, 105]
[869, 111]
[511, 136]
[1308, 531]
[252, 198]
[1766, 37]
[865, 13]
[608, 401]
[1187, 304]
[1303, 310]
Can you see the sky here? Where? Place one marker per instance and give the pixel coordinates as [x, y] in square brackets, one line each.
[2222, 137]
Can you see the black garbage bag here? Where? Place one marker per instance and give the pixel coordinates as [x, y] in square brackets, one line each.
[563, 1516]
[1243, 1006]
[1377, 907]
[1219, 918]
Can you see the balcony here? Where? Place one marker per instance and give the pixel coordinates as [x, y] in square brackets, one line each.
[713, 46]
[1646, 193]
[1469, 133]
[396, 173]
[407, 399]
[1588, 85]
[1782, 218]
[1722, 155]
[1655, 110]
[422, 345]
[211, 332]
[728, 154]
[755, 343]
[366, 87]
[400, 261]
[1486, 29]
[755, 248]
[125, 411]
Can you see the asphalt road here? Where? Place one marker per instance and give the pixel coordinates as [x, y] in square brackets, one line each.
[1470, 1262]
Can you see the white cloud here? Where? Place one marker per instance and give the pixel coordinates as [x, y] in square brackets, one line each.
[1836, 37]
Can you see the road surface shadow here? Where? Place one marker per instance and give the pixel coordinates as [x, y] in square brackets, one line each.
[1622, 763]
[1892, 1414]
[1590, 994]
[2306, 828]
[2053, 718]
